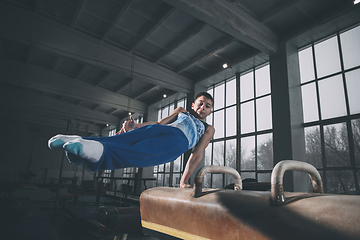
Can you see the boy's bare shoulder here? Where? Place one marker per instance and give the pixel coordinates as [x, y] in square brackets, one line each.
[210, 129]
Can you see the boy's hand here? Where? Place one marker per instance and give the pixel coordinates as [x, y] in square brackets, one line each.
[127, 126]
[185, 185]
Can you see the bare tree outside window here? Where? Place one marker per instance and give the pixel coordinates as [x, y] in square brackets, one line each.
[313, 146]
[356, 139]
[336, 145]
[254, 159]
[331, 109]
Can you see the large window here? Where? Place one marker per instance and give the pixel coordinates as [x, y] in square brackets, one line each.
[330, 81]
[169, 174]
[256, 125]
[222, 150]
[254, 159]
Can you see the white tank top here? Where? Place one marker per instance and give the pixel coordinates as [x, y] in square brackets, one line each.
[192, 127]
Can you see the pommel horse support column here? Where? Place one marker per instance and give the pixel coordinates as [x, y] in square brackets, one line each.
[173, 213]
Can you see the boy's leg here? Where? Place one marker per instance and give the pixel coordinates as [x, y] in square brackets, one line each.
[146, 146]
[149, 146]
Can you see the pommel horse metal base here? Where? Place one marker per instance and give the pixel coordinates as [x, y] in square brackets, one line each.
[172, 213]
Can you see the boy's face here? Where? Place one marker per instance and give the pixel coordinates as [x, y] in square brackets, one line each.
[202, 106]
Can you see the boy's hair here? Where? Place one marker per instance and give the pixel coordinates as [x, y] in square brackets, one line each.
[205, 94]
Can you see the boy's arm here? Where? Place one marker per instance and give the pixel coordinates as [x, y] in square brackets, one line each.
[172, 117]
[196, 156]
[131, 124]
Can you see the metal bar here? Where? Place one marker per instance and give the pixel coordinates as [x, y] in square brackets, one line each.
[277, 189]
[216, 169]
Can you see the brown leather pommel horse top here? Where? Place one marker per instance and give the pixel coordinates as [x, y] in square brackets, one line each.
[244, 214]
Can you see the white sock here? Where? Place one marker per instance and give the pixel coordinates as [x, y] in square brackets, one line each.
[90, 150]
[59, 140]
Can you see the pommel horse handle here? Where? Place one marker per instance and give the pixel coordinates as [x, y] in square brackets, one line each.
[277, 189]
[216, 169]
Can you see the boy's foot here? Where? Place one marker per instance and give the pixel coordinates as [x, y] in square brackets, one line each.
[88, 149]
[58, 141]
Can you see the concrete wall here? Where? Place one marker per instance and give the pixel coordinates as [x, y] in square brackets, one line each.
[24, 146]
[288, 133]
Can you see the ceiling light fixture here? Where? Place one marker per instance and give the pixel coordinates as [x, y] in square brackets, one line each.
[225, 65]
[356, 1]
[129, 113]
[164, 96]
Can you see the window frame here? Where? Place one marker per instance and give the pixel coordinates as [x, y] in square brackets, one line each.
[239, 135]
[346, 119]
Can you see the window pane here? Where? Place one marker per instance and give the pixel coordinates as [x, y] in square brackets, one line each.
[263, 113]
[217, 180]
[177, 164]
[350, 47]
[209, 119]
[167, 179]
[353, 87]
[167, 167]
[336, 145]
[218, 159]
[231, 121]
[207, 181]
[264, 177]
[219, 124]
[231, 92]
[355, 124]
[171, 109]
[165, 112]
[211, 91]
[181, 103]
[208, 154]
[327, 57]
[245, 175]
[247, 86]
[248, 153]
[306, 65]
[161, 168]
[262, 81]
[332, 97]
[265, 152]
[247, 117]
[229, 180]
[176, 179]
[207, 162]
[309, 101]
[313, 146]
[230, 155]
[219, 97]
[340, 182]
[230, 159]
[159, 114]
[160, 181]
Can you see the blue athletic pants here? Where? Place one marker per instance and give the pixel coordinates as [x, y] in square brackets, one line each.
[150, 145]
